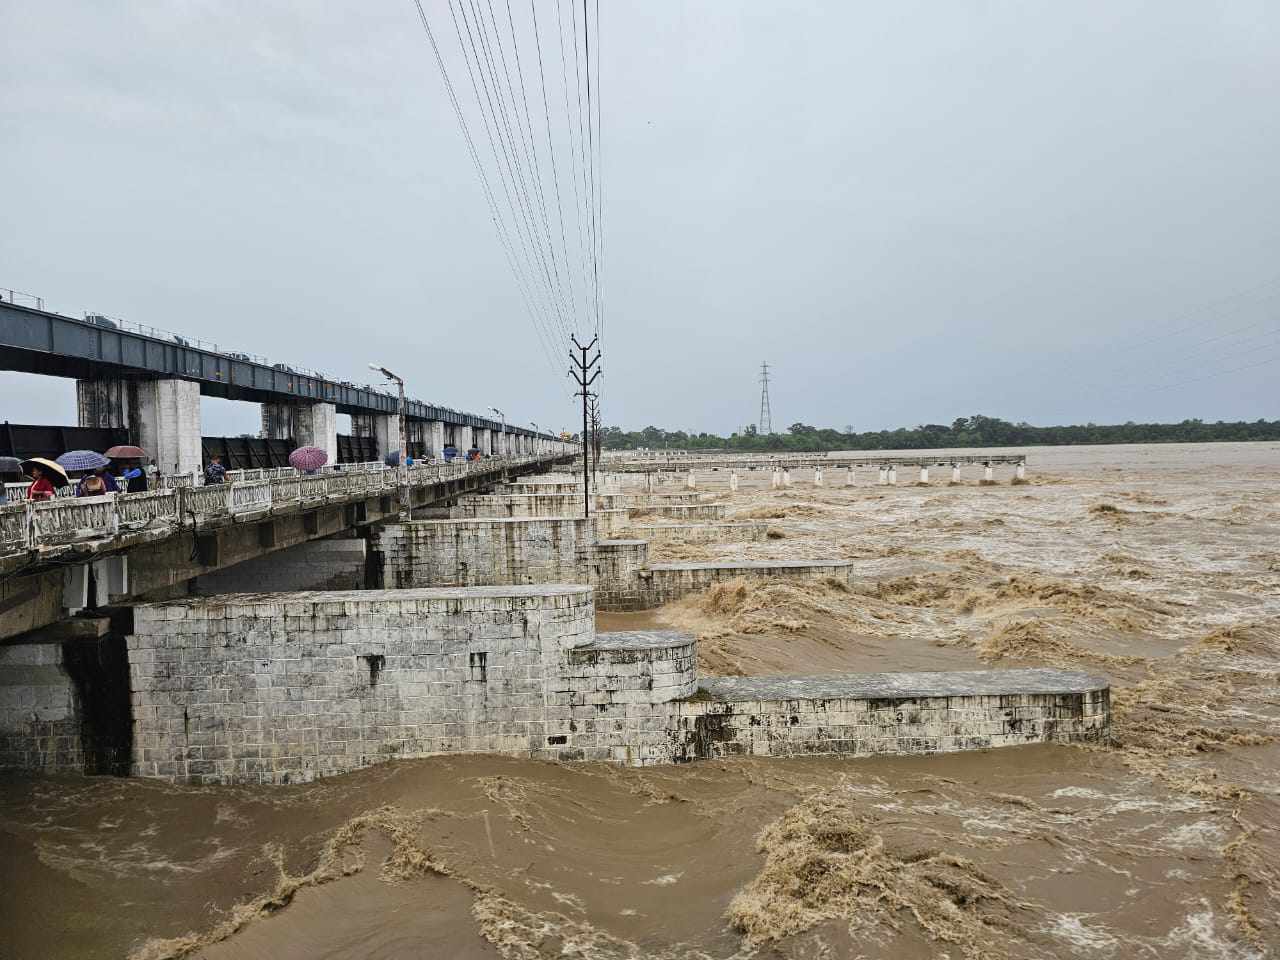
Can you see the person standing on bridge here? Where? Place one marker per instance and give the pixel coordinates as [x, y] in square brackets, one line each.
[41, 486]
[215, 472]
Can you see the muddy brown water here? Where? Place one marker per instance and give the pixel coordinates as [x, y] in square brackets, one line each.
[1159, 566]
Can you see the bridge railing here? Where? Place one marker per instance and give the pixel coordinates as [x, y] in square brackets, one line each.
[29, 525]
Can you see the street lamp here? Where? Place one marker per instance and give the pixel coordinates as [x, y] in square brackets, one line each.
[502, 432]
[404, 432]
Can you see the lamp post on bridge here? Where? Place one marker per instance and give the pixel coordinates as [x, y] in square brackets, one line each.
[502, 431]
[402, 460]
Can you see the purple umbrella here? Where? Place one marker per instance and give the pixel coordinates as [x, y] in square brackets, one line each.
[74, 460]
[308, 458]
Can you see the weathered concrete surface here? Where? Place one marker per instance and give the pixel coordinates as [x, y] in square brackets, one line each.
[895, 713]
[337, 563]
[670, 581]
[696, 532]
[276, 688]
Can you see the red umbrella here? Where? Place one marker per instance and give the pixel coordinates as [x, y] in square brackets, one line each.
[308, 458]
[126, 452]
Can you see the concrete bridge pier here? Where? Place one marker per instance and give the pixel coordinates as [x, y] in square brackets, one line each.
[383, 427]
[955, 473]
[776, 480]
[786, 478]
[884, 476]
[893, 475]
[988, 474]
[924, 474]
[305, 424]
[433, 438]
[692, 481]
[1020, 471]
[733, 481]
[817, 477]
[480, 437]
[848, 478]
[162, 416]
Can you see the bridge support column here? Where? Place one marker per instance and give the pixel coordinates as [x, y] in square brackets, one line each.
[786, 478]
[480, 438]
[884, 476]
[162, 416]
[893, 475]
[924, 474]
[988, 474]
[817, 476]
[848, 478]
[305, 424]
[1020, 472]
[433, 437]
[955, 473]
[733, 481]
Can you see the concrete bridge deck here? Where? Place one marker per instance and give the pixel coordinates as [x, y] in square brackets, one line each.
[61, 556]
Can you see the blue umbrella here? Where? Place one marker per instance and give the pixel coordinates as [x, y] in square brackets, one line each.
[82, 460]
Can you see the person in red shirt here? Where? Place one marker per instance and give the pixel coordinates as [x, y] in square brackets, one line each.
[42, 486]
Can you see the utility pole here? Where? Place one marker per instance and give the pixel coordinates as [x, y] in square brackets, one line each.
[595, 438]
[579, 370]
[765, 427]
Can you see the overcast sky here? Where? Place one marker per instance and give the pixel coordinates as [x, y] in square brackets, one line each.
[1044, 211]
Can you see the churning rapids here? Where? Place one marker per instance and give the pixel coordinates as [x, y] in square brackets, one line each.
[1156, 565]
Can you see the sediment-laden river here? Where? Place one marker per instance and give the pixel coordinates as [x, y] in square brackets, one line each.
[1156, 565]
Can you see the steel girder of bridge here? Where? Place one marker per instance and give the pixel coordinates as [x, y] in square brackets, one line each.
[37, 341]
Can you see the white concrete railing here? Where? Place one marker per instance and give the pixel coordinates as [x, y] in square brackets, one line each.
[28, 525]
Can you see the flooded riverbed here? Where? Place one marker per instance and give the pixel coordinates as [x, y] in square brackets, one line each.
[1156, 565]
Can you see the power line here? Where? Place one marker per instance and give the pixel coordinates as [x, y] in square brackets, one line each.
[504, 238]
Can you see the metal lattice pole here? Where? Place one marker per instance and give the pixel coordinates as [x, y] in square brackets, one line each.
[765, 425]
[582, 367]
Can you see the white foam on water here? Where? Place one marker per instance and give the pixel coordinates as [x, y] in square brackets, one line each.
[1084, 940]
[1197, 936]
[1203, 834]
[666, 880]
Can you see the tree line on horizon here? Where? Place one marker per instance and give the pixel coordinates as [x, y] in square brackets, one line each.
[975, 431]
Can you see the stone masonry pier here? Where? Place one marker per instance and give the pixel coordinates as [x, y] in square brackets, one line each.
[285, 688]
[520, 550]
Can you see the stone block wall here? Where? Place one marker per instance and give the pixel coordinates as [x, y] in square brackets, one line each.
[689, 512]
[670, 581]
[429, 553]
[728, 532]
[618, 574]
[280, 688]
[618, 696]
[40, 720]
[897, 714]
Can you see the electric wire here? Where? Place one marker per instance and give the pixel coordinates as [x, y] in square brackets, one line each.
[573, 161]
[504, 239]
[500, 151]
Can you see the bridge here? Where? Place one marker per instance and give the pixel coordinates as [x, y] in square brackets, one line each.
[149, 382]
[67, 555]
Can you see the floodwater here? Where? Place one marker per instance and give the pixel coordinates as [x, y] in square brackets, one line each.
[1157, 565]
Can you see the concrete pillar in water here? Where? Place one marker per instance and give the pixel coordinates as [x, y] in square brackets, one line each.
[692, 481]
[817, 477]
[924, 473]
[162, 417]
[1021, 470]
[776, 480]
[848, 478]
[884, 476]
[955, 473]
[786, 478]
[733, 481]
[988, 475]
[893, 474]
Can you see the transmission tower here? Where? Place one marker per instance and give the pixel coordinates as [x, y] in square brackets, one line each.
[766, 415]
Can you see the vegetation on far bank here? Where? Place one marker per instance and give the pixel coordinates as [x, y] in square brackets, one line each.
[975, 431]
